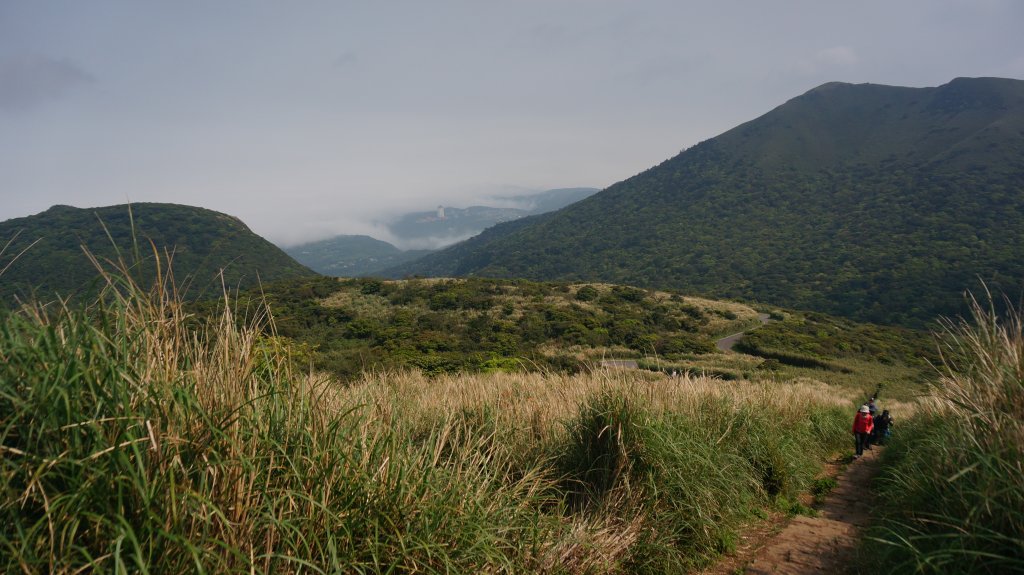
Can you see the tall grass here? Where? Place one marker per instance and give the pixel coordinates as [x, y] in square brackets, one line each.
[954, 487]
[134, 438]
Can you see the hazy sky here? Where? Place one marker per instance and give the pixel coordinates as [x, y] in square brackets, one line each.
[307, 119]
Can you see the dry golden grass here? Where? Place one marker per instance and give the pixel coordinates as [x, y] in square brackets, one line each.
[360, 303]
[224, 453]
[537, 405]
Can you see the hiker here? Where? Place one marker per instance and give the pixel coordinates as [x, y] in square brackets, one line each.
[883, 425]
[862, 426]
[872, 410]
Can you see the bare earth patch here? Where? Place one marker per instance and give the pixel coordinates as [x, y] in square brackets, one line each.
[823, 544]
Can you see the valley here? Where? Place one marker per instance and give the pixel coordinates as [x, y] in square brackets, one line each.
[421, 233]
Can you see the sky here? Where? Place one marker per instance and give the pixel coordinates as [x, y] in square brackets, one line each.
[310, 119]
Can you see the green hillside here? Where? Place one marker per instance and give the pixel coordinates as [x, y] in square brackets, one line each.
[480, 325]
[873, 202]
[203, 243]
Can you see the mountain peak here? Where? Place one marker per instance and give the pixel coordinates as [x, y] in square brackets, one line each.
[829, 86]
[61, 208]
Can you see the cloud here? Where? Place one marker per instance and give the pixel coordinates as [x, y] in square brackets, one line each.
[828, 59]
[345, 60]
[28, 81]
[837, 56]
[1011, 69]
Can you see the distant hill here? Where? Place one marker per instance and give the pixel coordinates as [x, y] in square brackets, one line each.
[447, 225]
[351, 256]
[356, 256]
[873, 202]
[203, 243]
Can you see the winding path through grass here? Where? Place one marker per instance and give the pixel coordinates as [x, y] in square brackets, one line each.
[824, 543]
[727, 343]
[828, 542]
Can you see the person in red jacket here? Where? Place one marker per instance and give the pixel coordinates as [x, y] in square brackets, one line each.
[862, 426]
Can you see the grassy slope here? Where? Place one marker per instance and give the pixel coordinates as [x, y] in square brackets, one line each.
[223, 456]
[455, 325]
[132, 441]
[952, 490]
[514, 325]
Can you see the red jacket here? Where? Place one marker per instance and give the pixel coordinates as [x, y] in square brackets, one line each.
[863, 423]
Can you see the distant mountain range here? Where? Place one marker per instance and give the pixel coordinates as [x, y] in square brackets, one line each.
[447, 225]
[354, 256]
[204, 243]
[879, 203]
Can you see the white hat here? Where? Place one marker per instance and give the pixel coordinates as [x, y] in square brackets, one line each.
[864, 409]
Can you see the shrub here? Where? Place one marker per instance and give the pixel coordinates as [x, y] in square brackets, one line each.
[587, 293]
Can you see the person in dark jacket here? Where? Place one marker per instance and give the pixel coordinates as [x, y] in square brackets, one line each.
[882, 424]
[862, 426]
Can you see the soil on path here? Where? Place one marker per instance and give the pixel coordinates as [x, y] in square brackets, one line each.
[826, 543]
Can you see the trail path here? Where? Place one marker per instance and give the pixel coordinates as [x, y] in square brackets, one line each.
[727, 343]
[826, 543]
[823, 544]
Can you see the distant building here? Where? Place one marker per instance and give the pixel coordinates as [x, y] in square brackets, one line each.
[440, 212]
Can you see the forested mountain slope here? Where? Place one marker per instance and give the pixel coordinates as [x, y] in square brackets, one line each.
[875, 202]
[202, 243]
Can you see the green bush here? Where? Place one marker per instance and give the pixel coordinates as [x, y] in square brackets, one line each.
[587, 293]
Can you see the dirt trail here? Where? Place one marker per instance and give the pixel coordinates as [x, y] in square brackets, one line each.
[826, 543]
